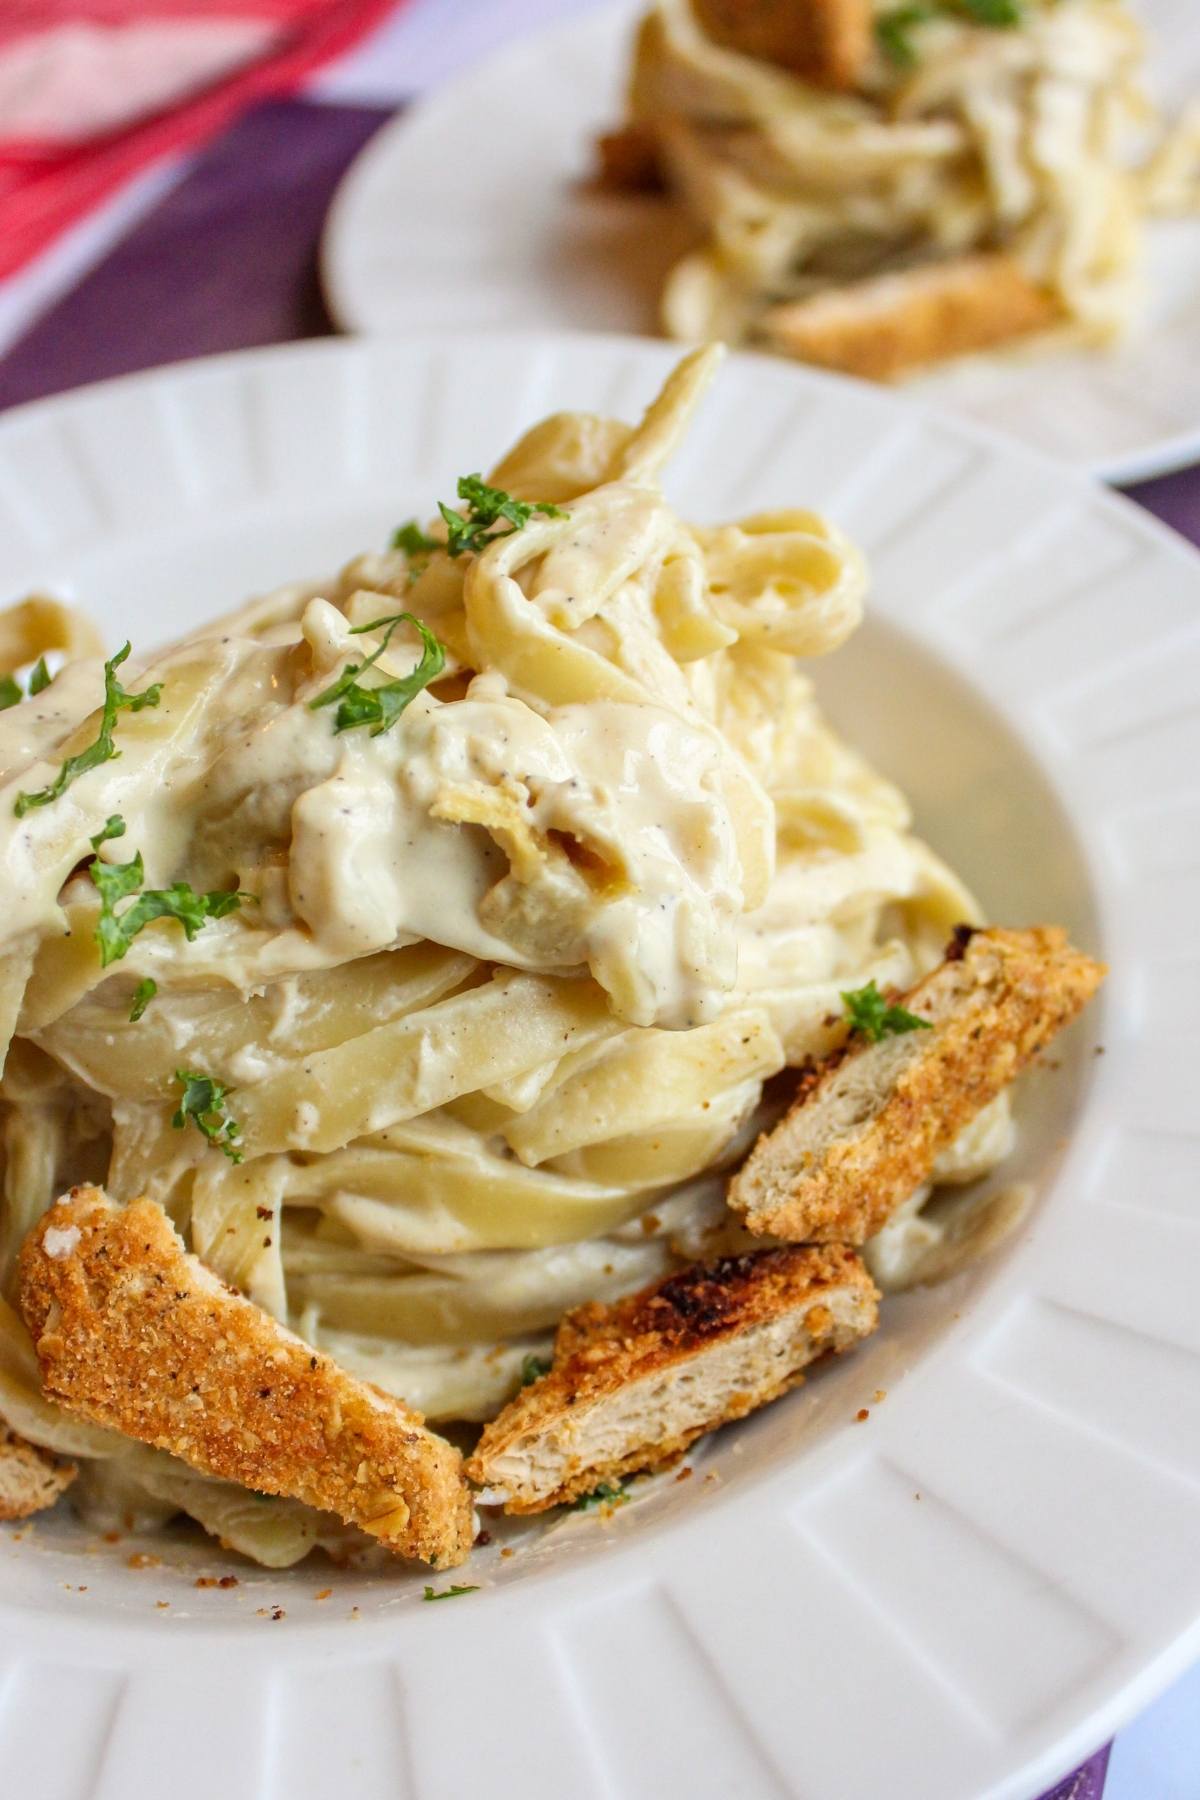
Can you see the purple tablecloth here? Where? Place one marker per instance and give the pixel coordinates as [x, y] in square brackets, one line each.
[226, 260]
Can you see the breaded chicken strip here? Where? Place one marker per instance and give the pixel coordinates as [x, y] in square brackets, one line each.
[889, 325]
[826, 42]
[867, 1126]
[134, 1333]
[633, 1384]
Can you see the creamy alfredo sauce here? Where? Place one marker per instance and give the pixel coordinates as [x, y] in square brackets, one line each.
[593, 836]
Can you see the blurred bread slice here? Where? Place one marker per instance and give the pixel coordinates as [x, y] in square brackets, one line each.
[633, 1384]
[30, 1479]
[867, 1125]
[889, 325]
[134, 1333]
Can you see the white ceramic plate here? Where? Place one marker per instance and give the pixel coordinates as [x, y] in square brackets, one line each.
[958, 1598]
[469, 211]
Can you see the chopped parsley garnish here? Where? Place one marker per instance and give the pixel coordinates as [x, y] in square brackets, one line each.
[412, 540]
[487, 508]
[893, 33]
[380, 707]
[533, 1368]
[119, 881]
[894, 29]
[450, 1593]
[204, 1104]
[113, 827]
[10, 688]
[1000, 14]
[117, 700]
[869, 1012]
[143, 994]
[604, 1495]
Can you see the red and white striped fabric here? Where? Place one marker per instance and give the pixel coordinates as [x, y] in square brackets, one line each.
[91, 91]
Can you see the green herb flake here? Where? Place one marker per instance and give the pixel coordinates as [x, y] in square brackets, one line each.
[487, 508]
[113, 827]
[869, 1013]
[203, 1104]
[604, 1495]
[380, 707]
[894, 29]
[143, 994]
[119, 881]
[1000, 15]
[533, 1368]
[113, 882]
[450, 1593]
[11, 693]
[412, 540]
[117, 700]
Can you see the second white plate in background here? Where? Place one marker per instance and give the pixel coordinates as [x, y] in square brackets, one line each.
[470, 211]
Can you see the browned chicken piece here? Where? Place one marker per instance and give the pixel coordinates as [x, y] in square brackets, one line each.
[134, 1333]
[890, 325]
[868, 1124]
[30, 1479]
[629, 160]
[826, 42]
[633, 1384]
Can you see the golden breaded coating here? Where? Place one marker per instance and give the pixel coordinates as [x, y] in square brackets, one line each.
[633, 1384]
[30, 1479]
[134, 1333]
[866, 1127]
[826, 42]
[888, 325]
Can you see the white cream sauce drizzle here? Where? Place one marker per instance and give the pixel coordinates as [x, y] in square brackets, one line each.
[595, 835]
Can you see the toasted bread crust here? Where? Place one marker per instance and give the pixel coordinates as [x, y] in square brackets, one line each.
[886, 326]
[30, 1479]
[997, 1001]
[134, 1333]
[809, 1300]
[826, 42]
